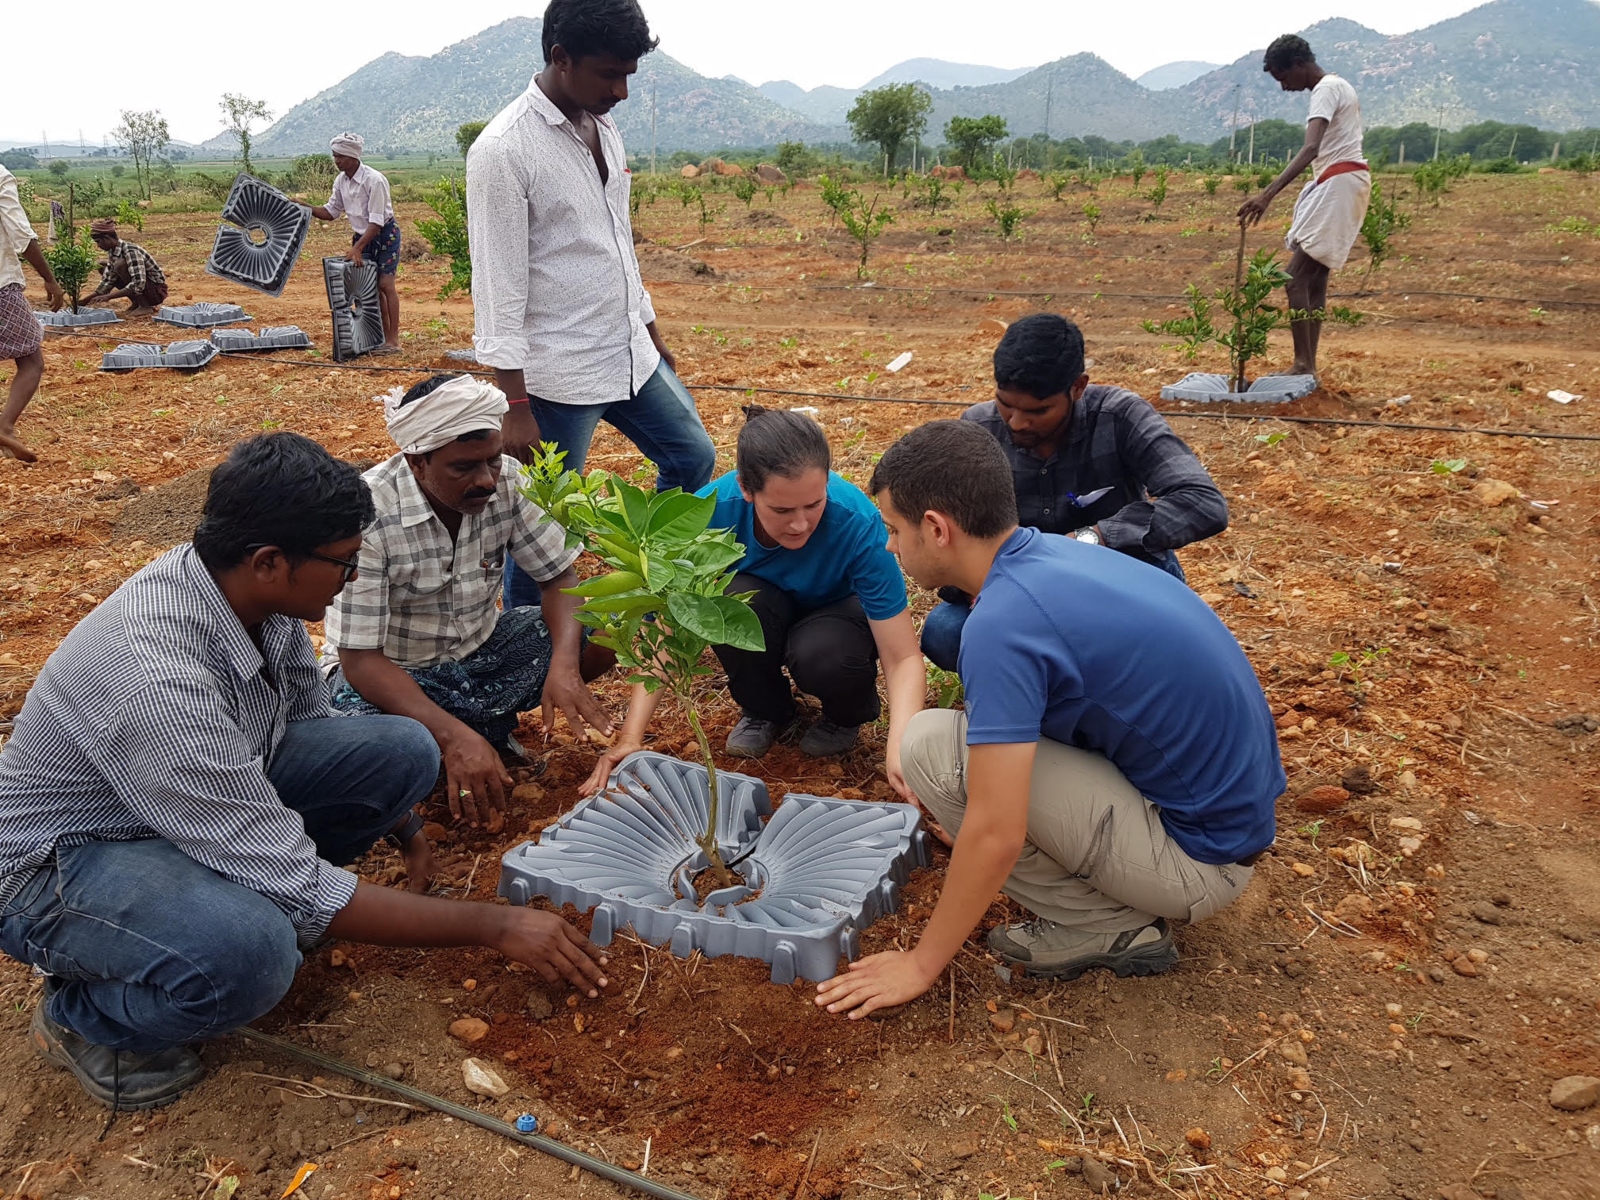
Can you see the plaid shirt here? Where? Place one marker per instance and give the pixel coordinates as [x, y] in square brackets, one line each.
[142, 269]
[1117, 453]
[424, 599]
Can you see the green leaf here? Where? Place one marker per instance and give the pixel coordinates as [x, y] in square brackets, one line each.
[678, 516]
[744, 627]
[713, 557]
[626, 604]
[701, 616]
[612, 584]
[635, 505]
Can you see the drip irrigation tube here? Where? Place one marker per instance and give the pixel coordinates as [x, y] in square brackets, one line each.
[535, 1141]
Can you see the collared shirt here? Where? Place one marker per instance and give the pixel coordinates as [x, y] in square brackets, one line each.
[1116, 453]
[556, 291]
[363, 198]
[15, 231]
[158, 716]
[142, 269]
[424, 598]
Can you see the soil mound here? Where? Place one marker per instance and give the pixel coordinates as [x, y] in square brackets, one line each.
[167, 515]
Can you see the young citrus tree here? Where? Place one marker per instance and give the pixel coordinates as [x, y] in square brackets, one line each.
[664, 601]
[71, 260]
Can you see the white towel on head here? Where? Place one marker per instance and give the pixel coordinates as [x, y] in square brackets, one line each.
[351, 144]
[465, 404]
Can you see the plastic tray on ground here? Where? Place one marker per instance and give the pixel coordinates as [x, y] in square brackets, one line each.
[204, 315]
[274, 337]
[815, 874]
[1212, 389]
[82, 319]
[180, 356]
[353, 300]
[256, 210]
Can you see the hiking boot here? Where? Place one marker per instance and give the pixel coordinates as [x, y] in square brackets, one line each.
[1047, 950]
[825, 739]
[119, 1079]
[752, 737]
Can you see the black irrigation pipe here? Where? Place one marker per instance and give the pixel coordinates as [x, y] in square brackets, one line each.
[535, 1141]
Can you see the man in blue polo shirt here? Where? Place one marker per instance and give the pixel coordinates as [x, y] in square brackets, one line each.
[1116, 750]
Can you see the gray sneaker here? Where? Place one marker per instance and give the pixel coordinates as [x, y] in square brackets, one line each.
[752, 737]
[1046, 950]
[825, 739]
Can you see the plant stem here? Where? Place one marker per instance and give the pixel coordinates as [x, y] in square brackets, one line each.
[1239, 357]
[708, 842]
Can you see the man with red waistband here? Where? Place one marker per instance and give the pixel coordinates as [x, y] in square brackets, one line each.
[1331, 208]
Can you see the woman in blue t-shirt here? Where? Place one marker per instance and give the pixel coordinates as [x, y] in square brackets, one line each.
[831, 599]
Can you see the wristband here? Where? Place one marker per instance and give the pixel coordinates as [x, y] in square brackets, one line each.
[520, 400]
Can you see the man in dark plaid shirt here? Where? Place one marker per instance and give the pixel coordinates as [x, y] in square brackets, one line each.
[1093, 462]
[128, 271]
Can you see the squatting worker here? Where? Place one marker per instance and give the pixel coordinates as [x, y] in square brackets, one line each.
[560, 311]
[828, 593]
[178, 797]
[1117, 755]
[21, 338]
[128, 272]
[1331, 208]
[1094, 462]
[362, 195]
[419, 631]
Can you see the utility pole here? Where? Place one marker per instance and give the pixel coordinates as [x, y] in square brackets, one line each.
[654, 88]
[1233, 128]
[1049, 95]
[1252, 143]
[1438, 135]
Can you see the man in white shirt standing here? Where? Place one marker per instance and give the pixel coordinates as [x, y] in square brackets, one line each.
[561, 312]
[21, 339]
[362, 195]
[1331, 208]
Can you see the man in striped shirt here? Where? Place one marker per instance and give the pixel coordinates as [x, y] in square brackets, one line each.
[177, 798]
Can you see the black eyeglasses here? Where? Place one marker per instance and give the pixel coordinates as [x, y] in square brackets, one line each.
[350, 566]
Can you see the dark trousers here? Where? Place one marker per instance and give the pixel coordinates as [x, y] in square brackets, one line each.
[829, 653]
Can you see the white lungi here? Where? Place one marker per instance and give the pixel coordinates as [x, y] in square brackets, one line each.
[1328, 216]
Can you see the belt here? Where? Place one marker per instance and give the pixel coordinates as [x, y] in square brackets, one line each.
[1342, 168]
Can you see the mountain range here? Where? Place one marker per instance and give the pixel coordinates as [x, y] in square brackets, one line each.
[1519, 61]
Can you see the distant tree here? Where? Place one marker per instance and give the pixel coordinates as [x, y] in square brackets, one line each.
[795, 160]
[467, 133]
[19, 160]
[59, 168]
[144, 136]
[974, 139]
[239, 113]
[889, 117]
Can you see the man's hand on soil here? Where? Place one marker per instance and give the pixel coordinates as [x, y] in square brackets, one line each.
[556, 950]
[878, 981]
[55, 296]
[565, 690]
[609, 761]
[418, 857]
[476, 781]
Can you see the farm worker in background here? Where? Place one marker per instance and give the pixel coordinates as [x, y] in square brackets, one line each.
[1096, 463]
[128, 272]
[561, 313]
[419, 632]
[1116, 754]
[830, 598]
[362, 195]
[21, 338]
[1331, 208]
[178, 798]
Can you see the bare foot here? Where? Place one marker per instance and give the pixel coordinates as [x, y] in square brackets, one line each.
[15, 448]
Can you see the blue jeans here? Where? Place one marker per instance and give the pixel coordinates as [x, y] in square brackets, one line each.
[941, 632]
[661, 420]
[151, 950]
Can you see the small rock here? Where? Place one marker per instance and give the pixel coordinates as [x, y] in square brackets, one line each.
[674, 1053]
[1198, 1139]
[1486, 912]
[1353, 906]
[527, 793]
[1464, 966]
[1324, 799]
[469, 985]
[1436, 973]
[394, 1070]
[1302, 870]
[1003, 1021]
[1407, 780]
[346, 1109]
[1407, 823]
[1277, 1174]
[481, 1079]
[965, 1148]
[1492, 493]
[1101, 1180]
[1291, 1050]
[1477, 957]
[469, 1030]
[1034, 1045]
[538, 1005]
[1574, 1093]
[337, 958]
[1409, 846]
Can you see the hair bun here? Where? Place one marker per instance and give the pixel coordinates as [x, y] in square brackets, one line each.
[752, 411]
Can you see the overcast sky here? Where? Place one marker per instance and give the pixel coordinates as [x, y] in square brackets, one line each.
[148, 56]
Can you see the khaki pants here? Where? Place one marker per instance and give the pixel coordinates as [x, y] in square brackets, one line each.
[1097, 857]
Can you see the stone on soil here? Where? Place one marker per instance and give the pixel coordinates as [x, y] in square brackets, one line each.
[1486, 912]
[1292, 1051]
[1492, 493]
[469, 1030]
[1003, 1021]
[482, 1080]
[1574, 1093]
[1324, 799]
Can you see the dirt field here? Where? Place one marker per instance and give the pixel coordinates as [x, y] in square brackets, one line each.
[1382, 1015]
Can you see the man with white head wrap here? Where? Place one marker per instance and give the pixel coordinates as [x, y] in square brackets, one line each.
[362, 195]
[418, 631]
